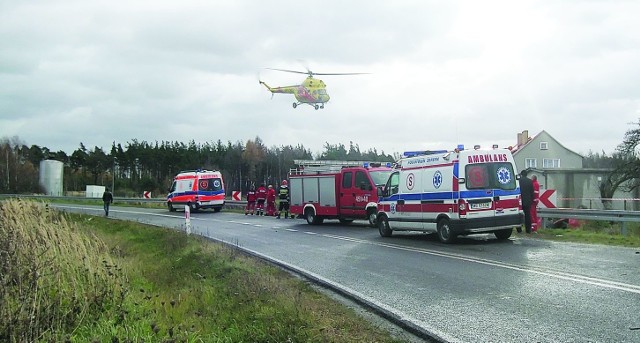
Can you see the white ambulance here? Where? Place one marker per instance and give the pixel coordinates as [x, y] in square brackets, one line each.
[452, 193]
[198, 189]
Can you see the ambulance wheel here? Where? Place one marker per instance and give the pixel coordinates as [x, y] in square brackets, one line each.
[371, 215]
[444, 232]
[503, 234]
[345, 221]
[383, 227]
[312, 219]
[171, 208]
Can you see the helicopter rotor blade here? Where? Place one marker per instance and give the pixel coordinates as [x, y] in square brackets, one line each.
[340, 73]
[291, 71]
[310, 73]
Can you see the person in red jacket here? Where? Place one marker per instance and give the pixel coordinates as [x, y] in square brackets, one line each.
[534, 206]
[271, 201]
[261, 197]
[251, 201]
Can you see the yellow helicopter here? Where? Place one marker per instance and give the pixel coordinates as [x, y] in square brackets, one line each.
[311, 91]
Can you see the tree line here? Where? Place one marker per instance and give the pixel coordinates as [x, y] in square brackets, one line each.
[138, 166]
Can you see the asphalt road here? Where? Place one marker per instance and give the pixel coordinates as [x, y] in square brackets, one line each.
[477, 290]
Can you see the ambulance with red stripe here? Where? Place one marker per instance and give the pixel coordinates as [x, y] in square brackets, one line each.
[198, 189]
[452, 193]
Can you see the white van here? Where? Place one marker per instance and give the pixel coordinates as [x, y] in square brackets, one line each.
[452, 193]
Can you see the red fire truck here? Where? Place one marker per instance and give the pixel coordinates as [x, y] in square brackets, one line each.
[343, 190]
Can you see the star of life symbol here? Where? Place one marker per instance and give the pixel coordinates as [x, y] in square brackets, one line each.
[437, 179]
[504, 176]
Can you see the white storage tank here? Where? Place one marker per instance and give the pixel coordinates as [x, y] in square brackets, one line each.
[51, 174]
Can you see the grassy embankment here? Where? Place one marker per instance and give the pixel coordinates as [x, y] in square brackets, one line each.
[595, 232]
[79, 278]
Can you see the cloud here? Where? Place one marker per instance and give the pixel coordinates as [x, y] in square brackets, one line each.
[466, 72]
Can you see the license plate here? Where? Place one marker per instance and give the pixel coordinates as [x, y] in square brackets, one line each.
[480, 206]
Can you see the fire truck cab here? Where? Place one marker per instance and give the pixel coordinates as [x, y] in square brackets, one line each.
[452, 193]
[198, 189]
[343, 190]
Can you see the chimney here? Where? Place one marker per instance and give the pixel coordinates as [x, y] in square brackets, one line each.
[523, 137]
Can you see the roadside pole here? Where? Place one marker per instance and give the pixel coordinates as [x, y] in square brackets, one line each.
[187, 219]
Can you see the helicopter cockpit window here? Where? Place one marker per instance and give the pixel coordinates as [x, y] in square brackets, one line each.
[322, 91]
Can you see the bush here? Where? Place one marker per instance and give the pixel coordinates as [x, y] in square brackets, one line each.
[53, 277]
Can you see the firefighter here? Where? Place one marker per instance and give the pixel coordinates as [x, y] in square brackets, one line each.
[261, 197]
[251, 201]
[283, 195]
[534, 206]
[271, 201]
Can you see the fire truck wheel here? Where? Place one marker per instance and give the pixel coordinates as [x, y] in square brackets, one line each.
[444, 232]
[383, 227]
[312, 219]
[503, 234]
[371, 215]
[217, 209]
[171, 209]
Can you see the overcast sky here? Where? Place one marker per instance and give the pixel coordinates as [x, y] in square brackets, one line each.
[441, 72]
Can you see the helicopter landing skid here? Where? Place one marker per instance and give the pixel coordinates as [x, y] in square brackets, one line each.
[316, 106]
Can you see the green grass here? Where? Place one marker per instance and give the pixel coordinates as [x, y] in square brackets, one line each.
[595, 232]
[129, 282]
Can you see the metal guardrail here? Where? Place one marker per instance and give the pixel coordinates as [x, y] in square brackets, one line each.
[230, 203]
[589, 214]
[558, 213]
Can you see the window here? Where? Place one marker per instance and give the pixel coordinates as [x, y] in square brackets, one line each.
[346, 180]
[544, 145]
[530, 163]
[362, 181]
[490, 176]
[393, 183]
[551, 163]
[211, 185]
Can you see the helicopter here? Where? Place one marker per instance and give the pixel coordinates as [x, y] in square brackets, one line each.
[311, 91]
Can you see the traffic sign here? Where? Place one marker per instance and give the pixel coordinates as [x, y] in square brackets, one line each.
[548, 199]
[146, 194]
[236, 195]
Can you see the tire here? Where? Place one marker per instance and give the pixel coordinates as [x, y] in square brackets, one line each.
[503, 234]
[444, 232]
[383, 227]
[312, 219]
[295, 105]
[217, 209]
[316, 107]
[171, 208]
[345, 221]
[371, 215]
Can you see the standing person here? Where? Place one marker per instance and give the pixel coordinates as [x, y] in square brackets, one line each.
[526, 192]
[107, 199]
[261, 196]
[271, 201]
[534, 206]
[283, 196]
[251, 200]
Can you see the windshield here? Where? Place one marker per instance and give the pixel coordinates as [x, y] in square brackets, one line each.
[380, 177]
[490, 176]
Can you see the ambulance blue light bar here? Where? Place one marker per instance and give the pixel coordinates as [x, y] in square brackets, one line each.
[423, 152]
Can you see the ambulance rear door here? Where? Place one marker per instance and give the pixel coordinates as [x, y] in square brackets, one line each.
[491, 186]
